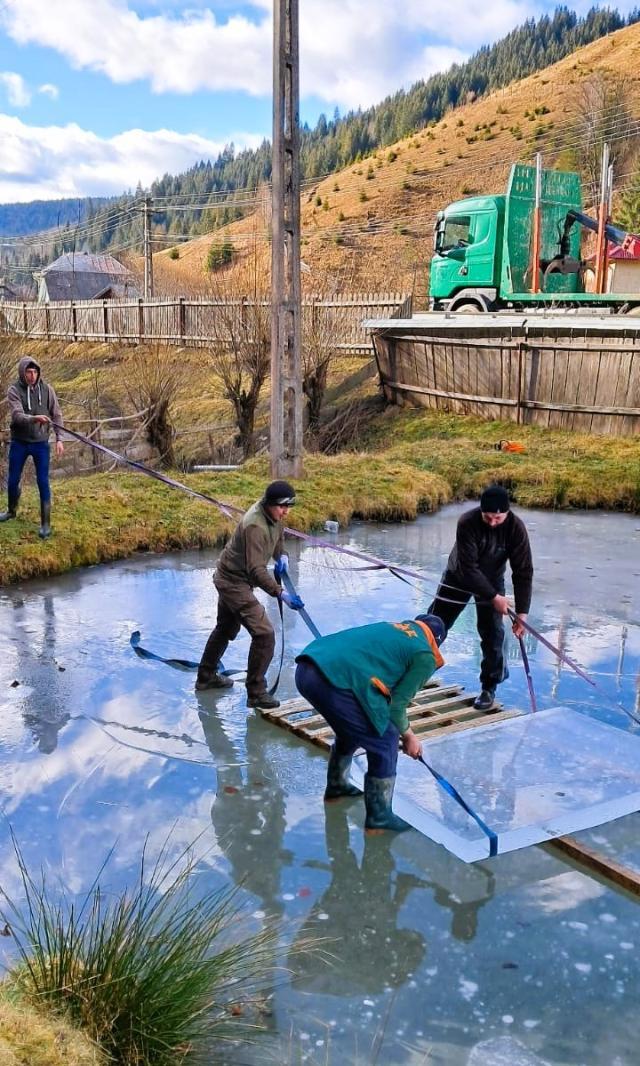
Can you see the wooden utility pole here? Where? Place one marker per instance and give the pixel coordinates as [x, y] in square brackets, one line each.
[601, 241]
[286, 362]
[148, 259]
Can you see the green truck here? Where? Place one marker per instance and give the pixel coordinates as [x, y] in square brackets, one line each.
[521, 251]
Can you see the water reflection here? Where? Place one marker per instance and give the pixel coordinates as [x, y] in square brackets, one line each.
[359, 913]
[248, 812]
[44, 707]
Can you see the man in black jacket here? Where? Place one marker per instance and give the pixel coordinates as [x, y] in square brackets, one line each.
[34, 410]
[487, 538]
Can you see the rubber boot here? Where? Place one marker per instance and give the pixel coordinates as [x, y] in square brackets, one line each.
[338, 783]
[378, 795]
[12, 507]
[45, 520]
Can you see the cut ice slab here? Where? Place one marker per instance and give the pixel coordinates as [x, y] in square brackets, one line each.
[529, 779]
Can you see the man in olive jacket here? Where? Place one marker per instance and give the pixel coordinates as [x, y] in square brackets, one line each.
[361, 681]
[33, 406]
[242, 567]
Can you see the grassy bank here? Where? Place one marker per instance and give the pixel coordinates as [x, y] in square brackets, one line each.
[29, 1037]
[111, 516]
[409, 461]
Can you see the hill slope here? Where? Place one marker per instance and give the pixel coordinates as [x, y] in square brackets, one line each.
[369, 226]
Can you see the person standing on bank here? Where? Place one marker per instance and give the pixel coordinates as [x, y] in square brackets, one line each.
[33, 406]
[361, 681]
[487, 538]
[242, 567]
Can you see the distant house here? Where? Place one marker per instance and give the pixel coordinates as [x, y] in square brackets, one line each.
[14, 292]
[623, 271]
[84, 276]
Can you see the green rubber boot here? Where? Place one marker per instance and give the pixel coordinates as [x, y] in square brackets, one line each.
[12, 507]
[45, 520]
[338, 784]
[378, 796]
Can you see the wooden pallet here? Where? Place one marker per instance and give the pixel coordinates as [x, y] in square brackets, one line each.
[436, 711]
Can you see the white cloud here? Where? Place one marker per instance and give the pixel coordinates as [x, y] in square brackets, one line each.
[353, 51]
[49, 90]
[16, 88]
[47, 162]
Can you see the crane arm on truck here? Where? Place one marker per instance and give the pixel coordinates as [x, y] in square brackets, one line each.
[629, 242]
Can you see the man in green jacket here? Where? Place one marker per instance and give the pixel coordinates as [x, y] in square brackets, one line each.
[242, 567]
[361, 681]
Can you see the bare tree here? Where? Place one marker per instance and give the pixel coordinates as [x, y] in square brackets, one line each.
[241, 329]
[603, 115]
[320, 337]
[153, 377]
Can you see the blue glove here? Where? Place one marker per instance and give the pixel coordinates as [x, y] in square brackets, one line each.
[292, 601]
[281, 566]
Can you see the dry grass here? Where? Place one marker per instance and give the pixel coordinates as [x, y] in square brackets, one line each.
[29, 1038]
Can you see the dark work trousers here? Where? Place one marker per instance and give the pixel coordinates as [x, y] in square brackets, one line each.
[349, 722]
[19, 452]
[489, 622]
[237, 606]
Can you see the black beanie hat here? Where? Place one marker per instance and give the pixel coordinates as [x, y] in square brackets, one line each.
[435, 624]
[494, 500]
[279, 494]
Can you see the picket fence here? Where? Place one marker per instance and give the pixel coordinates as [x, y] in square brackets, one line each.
[194, 321]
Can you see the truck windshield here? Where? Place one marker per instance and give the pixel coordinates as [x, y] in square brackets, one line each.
[454, 233]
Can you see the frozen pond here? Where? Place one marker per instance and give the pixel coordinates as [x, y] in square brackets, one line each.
[514, 961]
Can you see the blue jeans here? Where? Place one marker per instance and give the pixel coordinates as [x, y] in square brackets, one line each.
[19, 452]
[349, 722]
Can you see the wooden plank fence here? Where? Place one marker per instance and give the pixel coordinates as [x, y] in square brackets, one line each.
[587, 380]
[196, 321]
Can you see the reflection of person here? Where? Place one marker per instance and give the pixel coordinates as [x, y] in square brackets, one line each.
[464, 920]
[44, 709]
[33, 405]
[248, 812]
[487, 537]
[362, 903]
[241, 568]
[362, 681]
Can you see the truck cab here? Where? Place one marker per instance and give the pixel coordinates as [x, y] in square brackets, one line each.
[465, 269]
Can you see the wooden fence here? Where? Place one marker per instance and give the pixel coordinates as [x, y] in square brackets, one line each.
[194, 322]
[584, 378]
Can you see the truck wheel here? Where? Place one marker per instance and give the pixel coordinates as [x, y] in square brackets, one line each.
[467, 309]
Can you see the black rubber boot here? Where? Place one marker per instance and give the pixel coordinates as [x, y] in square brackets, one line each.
[263, 702]
[338, 784]
[213, 681]
[45, 520]
[12, 507]
[486, 701]
[378, 796]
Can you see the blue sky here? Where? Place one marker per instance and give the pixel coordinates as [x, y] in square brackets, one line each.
[96, 95]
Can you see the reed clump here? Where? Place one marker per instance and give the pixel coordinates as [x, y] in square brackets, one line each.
[152, 974]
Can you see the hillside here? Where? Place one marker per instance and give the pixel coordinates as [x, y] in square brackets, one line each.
[369, 226]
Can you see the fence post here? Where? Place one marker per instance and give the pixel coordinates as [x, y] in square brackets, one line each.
[181, 319]
[47, 321]
[140, 320]
[25, 325]
[74, 320]
[105, 320]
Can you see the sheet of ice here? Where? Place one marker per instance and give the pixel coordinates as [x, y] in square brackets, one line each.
[529, 778]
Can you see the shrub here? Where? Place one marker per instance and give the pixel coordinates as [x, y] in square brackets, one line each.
[363, 196]
[148, 974]
[174, 253]
[219, 254]
[391, 156]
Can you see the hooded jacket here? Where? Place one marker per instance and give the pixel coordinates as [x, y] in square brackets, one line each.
[26, 401]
